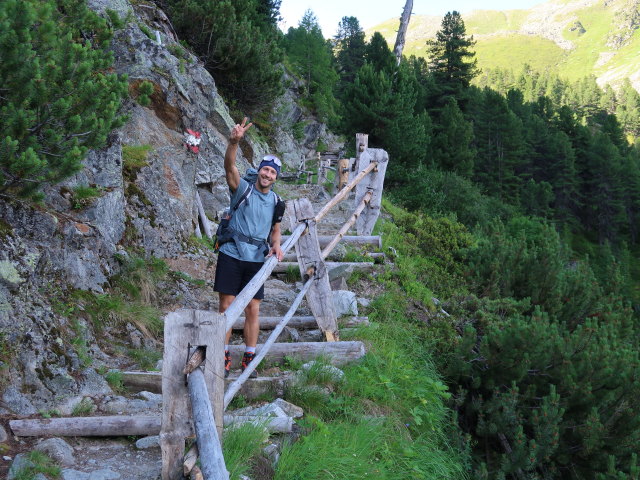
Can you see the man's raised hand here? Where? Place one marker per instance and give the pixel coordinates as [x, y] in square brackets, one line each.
[238, 131]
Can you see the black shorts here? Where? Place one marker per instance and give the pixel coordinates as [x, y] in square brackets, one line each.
[232, 275]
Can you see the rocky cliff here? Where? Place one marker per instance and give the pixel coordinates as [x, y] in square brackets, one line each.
[146, 181]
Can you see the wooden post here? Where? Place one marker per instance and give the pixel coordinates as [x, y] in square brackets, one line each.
[342, 177]
[371, 183]
[323, 168]
[319, 296]
[184, 329]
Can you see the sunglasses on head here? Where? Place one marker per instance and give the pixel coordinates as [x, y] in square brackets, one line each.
[272, 158]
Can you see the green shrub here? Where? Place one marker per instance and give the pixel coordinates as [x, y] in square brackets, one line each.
[48, 126]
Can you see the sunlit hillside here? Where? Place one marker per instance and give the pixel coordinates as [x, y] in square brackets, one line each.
[575, 39]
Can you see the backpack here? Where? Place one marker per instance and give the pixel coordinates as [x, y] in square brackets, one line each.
[226, 234]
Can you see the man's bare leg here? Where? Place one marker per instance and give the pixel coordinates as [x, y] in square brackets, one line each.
[223, 304]
[252, 323]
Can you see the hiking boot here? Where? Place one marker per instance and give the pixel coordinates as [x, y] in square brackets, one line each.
[246, 360]
[227, 363]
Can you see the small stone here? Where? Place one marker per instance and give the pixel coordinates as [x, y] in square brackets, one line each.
[345, 303]
[148, 442]
[19, 463]
[6, 458]
[272, 452]
[3, 435]
[269, 410]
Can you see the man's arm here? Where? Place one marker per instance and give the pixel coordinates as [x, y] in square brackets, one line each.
[275, 242]
[231, 171]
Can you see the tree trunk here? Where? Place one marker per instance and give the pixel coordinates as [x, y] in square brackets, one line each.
[402, 30]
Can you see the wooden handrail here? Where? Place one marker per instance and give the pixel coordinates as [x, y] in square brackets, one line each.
[341, 195]
[348, 224]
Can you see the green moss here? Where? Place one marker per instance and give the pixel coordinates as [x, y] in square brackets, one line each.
[6, 230]
[133, 190]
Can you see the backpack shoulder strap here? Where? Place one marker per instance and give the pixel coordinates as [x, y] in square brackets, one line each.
[244, 197]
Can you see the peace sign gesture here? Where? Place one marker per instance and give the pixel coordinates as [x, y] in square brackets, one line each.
[237, 132]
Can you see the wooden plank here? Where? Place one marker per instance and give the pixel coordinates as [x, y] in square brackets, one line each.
[373, 240]
[190, 459]
[184, 329]
[209, 446]
[344, 193]
[319, 296]
[339, 353]
[372, 183]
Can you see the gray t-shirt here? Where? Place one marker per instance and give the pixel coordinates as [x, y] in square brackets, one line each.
[253, 219]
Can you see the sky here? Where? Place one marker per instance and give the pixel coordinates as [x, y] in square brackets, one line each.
[372, 12]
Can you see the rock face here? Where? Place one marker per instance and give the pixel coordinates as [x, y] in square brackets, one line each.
[49, 250]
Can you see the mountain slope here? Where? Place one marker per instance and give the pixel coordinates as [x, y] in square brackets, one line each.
[573, 38]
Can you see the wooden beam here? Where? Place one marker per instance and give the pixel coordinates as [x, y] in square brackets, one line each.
[116, 426]
[209, 446]
[342, 177]
[319, 296]
[366, 267]
[258, 387]
[344, 193]
[206, 225]
[301, 322]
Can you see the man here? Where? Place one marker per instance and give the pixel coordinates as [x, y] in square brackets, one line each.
[240, 259]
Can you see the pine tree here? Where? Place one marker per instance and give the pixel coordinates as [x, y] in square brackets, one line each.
[56, 99]
[499, 144]
[452, 143]
[378, 54]
[349, 45]
[238, 42]
[448, 60]
[311, 58]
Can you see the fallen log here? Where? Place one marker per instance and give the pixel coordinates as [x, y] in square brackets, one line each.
[113, 426]
[122, 426]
